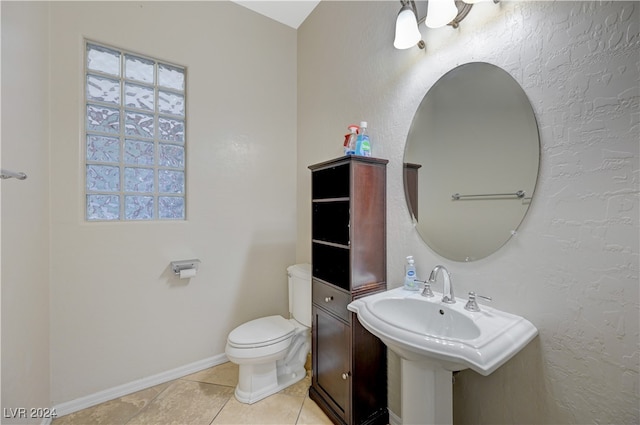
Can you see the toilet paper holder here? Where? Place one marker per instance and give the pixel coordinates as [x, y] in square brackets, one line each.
[178, 266]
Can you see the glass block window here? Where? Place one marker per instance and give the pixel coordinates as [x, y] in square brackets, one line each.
[135, 120]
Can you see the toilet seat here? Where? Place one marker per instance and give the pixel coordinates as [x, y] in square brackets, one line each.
[261, 332]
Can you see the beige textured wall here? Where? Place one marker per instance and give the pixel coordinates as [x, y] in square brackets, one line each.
[25, 211]
[117, 313]
[573, 268]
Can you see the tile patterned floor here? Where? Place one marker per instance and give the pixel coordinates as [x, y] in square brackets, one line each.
[206, 398]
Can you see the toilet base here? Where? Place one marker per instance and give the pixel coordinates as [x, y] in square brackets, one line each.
[258, 381]
[264, 371]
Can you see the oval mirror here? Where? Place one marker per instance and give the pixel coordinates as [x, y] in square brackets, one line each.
[471, 161]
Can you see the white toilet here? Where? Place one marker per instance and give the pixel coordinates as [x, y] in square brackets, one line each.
[272, 351]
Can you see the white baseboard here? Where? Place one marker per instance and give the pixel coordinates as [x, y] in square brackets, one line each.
[137, 385]
[394, 419]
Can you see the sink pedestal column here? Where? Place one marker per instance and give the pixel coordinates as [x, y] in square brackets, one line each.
[427, 393]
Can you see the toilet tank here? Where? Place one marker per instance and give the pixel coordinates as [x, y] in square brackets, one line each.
[300, 293]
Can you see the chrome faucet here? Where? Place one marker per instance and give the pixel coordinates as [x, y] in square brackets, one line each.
[447, 292]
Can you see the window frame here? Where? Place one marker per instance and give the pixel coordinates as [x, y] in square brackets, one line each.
[179, 138]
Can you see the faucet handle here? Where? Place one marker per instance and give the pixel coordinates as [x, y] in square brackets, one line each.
[472, 305]
[426, 292]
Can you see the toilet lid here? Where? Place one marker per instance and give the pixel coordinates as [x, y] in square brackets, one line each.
[260, 332]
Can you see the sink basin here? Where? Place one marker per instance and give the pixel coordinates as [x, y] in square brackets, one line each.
[425, 318]
[419, 328]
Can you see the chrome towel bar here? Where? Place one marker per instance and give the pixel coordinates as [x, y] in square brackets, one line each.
[518, 194]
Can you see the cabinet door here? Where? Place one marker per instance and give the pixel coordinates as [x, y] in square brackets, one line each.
[331, 360]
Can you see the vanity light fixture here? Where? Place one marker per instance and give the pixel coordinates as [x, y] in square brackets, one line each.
[439, 14]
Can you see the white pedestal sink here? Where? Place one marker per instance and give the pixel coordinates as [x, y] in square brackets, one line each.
[433, 339]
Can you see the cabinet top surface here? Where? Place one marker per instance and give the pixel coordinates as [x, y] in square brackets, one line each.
[346, 159]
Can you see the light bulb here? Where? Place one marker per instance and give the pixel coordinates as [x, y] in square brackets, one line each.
[407, 33]
[440, 13]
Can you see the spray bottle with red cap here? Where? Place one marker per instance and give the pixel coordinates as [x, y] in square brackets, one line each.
[350, 140]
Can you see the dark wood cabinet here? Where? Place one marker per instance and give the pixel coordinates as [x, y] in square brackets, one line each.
[349, 380]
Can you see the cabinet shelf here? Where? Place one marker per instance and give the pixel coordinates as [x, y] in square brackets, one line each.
[331, 263]
[331, 222]
[321, 200]
[333, 244]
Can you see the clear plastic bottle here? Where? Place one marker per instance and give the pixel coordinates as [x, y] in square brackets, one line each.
[410, 277]
[363, 145]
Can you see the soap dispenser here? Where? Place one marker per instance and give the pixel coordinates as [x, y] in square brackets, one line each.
[410, 283]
